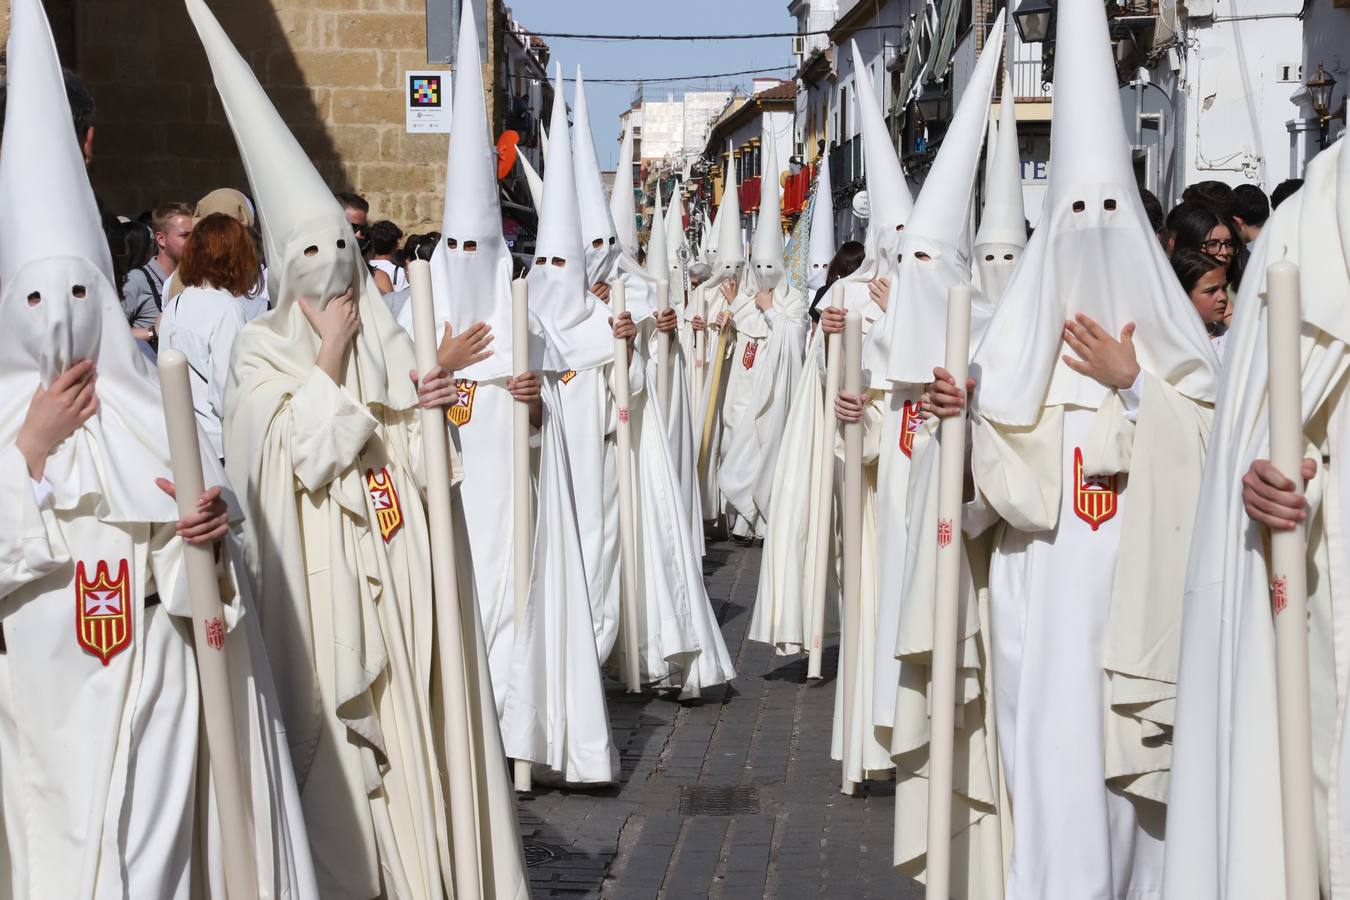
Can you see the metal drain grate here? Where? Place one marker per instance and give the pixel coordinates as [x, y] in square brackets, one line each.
[718, 800]
[537, 853]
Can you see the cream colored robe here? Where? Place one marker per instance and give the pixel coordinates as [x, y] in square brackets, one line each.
[336, 544]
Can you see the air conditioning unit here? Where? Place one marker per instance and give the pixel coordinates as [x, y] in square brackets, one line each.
[799, 45]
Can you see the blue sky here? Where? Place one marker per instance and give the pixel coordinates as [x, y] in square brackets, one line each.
[644, 59]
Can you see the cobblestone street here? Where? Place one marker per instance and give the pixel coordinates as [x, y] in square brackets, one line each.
[732, 796]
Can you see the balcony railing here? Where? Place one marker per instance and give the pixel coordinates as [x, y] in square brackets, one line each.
[1028, 74]
[846, 162]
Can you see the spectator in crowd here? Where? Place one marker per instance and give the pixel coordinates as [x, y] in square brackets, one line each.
[1154, 210]
[1197, 226]
[846, 261]
[420, 246]
[388, 270]
[143, 293]
[131, 245]
[1205, 279]
[358, 211]
[81, 111]
[1284, 189]
[219, 272]
[1250, 211]
[1214, 194]
[237, 206]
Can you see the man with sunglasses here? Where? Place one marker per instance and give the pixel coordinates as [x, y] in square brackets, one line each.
[357, 209]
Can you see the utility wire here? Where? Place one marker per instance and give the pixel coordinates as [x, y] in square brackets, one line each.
[571, 36]
[671, 78]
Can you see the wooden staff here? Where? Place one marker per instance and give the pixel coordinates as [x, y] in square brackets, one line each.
[710, 416]
[520, 477]
[618, 302]
[946, 600]
[700, 346]
[450, 627]
[851, 535]
[208, 635]
[1289, 589]
[663, 351]
[825, 492]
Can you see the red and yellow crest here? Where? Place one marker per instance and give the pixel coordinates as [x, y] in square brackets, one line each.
[911, 417]
[1094, 496]
[103, 610]
[567, 376]
[748, 358]
[384, 498]
[460, 414]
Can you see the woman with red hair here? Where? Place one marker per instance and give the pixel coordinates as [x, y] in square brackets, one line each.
[219, 271]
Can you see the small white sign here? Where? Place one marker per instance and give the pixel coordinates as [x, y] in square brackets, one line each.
[426, 97]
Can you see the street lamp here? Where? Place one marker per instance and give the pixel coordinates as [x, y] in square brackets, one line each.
[1320, 93]
[1034, 20]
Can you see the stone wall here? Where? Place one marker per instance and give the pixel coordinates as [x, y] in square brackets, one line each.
[334, 68]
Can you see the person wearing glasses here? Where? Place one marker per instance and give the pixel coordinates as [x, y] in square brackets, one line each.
[1197, 227]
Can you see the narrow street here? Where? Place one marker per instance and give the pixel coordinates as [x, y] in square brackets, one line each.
[734, 796]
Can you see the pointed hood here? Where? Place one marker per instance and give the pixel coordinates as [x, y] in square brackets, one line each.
[58, 301]
[766, 248]
[1002, 235]
[471, 269]
[888, 198]
[677, 242]
[533, 180]
[1093, 253]
[730, 250]
[658, 262]
[597, 225]
[707, 239]
[822, 247]
[622, 206]
[311, 251]
[575, 321]
[930, 258]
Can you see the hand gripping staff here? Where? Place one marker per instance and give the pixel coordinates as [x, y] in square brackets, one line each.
[1289, 589]
[942, 690]
[450, 618]
[209, 637]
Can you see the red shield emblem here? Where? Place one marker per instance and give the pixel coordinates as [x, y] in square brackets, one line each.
[911, 417]
[1094, 496]
[103, 610]
[944, 533]
[1279, 596]
[748, 358]
[460, 414]
[215, 633]
[384, 498]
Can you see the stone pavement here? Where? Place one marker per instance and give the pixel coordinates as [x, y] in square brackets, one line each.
[731, 796]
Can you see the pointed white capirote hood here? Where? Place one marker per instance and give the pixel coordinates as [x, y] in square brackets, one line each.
[59, 305]
[622, 207]
[677, 242]
[1002, 235]
[1092, 253]
[766, 248]
[575, 322]
[533, 180]
[930, 259]
[822, 249]
[471, 269]
[889, 200]
[658, 262]
[597, 225]
[311, 251]
[707, 240]
[730, 248]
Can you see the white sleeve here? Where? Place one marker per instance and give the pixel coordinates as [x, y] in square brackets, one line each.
[329, 428]
[218, 348]
[31, 543]
[1132, 395]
